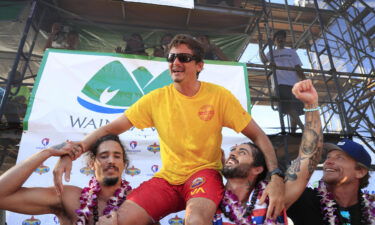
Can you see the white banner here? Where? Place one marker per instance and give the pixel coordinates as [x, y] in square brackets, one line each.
[77, 92]
[176, 3]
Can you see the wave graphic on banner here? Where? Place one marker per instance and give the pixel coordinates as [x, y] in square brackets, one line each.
[112, 89]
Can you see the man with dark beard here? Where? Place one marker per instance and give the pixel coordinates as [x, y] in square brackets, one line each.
[107, 159]
[245, 170]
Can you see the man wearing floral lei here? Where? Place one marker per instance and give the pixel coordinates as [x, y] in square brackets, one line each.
[338, 199]
[245, 170]
[105, 193]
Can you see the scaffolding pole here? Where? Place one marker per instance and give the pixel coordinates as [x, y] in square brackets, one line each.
[18, 56]
[344, 120]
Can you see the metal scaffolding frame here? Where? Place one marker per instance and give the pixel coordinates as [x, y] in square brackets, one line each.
[342, 58]
[23, 57]
[349, 93]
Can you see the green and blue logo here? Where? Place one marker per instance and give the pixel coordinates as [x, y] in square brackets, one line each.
[113, 89]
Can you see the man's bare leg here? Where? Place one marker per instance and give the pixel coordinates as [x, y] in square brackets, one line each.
[200, 211]
[130, 213]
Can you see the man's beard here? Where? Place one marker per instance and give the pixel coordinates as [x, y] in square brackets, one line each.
[332, 180]
[110, 181]
[240, 171]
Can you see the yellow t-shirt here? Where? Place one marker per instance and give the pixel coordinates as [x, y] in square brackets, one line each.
[189, 128]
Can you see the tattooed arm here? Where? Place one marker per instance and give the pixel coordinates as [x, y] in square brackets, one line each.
[301, 169]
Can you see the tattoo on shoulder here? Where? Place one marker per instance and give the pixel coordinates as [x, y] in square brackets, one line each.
[59, 146]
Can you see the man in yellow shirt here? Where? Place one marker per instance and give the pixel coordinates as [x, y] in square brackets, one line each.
[188, 115]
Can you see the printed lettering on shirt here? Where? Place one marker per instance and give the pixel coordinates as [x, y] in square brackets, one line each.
[206, 112]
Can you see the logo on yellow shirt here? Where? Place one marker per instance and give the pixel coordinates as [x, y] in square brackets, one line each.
[206, 112]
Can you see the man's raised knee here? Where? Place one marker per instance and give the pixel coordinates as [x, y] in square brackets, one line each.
[196, 220]
[131, 213]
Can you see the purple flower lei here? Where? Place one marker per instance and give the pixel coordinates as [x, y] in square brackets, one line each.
[237, 212]
[89, 197]
[329, 206]
[231, 203]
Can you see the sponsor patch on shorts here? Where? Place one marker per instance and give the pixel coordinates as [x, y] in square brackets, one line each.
[197, 182]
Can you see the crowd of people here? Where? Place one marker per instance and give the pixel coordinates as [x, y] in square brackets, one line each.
[256, 190]
[135, 45]
[65, 37]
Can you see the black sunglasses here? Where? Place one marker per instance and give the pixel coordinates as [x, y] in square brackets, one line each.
[182, 57]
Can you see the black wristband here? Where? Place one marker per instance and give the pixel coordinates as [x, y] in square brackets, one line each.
[277, 172]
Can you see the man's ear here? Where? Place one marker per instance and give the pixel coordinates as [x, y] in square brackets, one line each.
[91, 164]
[361, 172]
[257, 170]
[200, 66]
[222, 157]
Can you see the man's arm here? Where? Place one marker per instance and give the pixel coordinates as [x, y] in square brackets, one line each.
[56, 27]
[257, 135]
[118, 126]
[275, 188]
[64, 165]
[301, 169]
[16, 198]
[262, 56]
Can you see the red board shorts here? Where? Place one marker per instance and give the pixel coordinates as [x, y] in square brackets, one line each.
[159, 198]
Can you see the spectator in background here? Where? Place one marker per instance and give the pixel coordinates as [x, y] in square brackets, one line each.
[211, 50]
[285, 78]
[62, 37]
[134, 45]
[162, 49]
